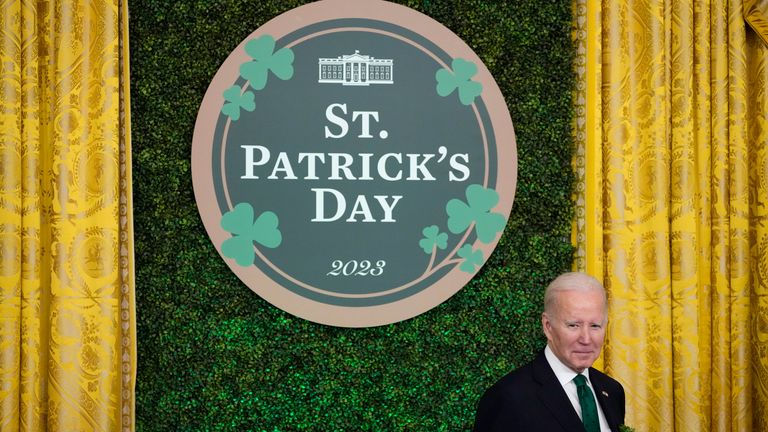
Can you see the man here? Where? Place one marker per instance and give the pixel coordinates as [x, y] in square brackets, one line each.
[548, 394]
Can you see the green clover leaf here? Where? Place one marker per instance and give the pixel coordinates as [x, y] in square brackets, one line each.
[471, 257]
[236, 101]
[481, 200]
[433, 237]
[460, 78]
[264, 60]
[239, 221]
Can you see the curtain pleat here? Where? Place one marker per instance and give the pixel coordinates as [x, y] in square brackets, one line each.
[67, 350]
[671, 207]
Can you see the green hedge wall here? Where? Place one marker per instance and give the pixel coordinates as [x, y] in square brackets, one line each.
[213, 356]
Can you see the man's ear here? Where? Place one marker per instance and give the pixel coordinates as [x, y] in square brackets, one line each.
[546, 325]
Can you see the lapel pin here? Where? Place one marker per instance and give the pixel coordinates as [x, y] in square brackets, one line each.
[605, 393]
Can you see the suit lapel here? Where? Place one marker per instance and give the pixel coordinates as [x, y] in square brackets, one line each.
[553, 396]
[604, 398]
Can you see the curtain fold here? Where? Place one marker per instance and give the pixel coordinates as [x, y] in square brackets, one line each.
[671, 131]
[67, 319]
[756, 14]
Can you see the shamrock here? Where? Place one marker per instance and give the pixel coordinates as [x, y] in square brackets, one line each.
[256, 71]
[239, 221]
[236, 101]
[481, 201]
[463, 70]
[433, 237]
[471, 257]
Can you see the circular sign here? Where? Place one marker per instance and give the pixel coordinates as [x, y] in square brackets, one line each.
[354, 163]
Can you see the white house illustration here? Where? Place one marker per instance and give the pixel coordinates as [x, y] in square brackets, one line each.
[355, 69]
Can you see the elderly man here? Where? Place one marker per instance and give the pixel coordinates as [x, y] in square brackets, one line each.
[559, 391]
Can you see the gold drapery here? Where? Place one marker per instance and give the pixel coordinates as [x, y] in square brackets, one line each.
[756, 14]
[67, 326]
[672, 206]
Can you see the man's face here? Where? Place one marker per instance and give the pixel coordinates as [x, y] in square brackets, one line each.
[576, 328]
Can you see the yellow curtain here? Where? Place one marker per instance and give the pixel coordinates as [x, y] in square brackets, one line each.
[672, 206]
[67, 326]
[756, 14]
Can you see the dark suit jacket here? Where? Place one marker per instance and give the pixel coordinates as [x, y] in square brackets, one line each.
[531, 399]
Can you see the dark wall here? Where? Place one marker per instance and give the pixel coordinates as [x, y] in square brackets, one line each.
[214, 356]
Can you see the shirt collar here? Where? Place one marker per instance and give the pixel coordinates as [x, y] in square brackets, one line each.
[563, 373]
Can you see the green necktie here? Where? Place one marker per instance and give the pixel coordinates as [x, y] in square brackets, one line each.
[587, 402]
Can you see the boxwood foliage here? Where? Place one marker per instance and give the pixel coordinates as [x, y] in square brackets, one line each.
[214, 356]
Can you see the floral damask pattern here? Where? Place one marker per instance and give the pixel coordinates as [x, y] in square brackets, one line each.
[672, 148]
[67, 335]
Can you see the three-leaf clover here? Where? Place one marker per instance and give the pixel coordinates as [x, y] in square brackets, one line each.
[481, 200]
[433, 237]
[237, 100]
[448, 81]
[471, 257]
[239, 221]
[264, 60]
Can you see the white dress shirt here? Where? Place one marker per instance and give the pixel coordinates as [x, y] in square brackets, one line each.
[565, 376]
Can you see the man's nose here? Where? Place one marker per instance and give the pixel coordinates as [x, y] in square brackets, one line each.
[584, 336]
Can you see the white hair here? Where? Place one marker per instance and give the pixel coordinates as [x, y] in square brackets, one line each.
[572, 281]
